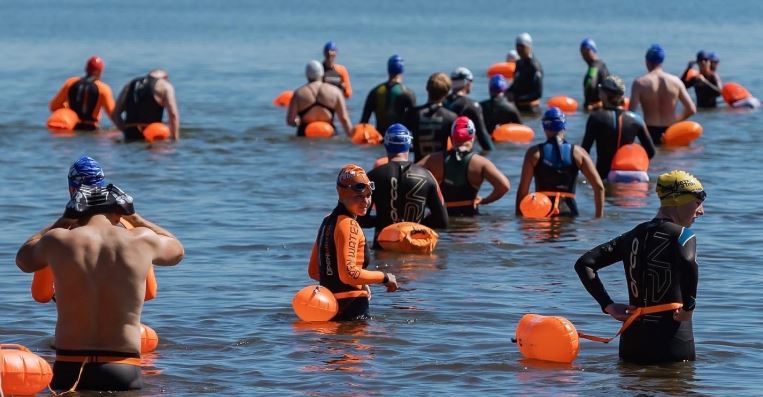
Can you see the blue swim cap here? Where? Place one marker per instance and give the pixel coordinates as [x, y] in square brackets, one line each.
[588, 43]
[702, 55]
[395, 65]
[397, 139]
[330, 46]
[655, 54]
[713, 56]
[85, 171]
[554, 120]
[497, 84]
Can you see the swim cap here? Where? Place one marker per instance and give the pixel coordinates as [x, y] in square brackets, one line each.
[85, 171]
[460, 76]
[92, 200]
[589, 44]
[94, 64]
[524, 39]
[677, 188]
[613, 84]
[397, 139]
[655, 54]
[462, 131]
[353, 179]
[713, 56]
[314, 70]
[330, 46]
[702, 55]
[512, 56]
[497, 84]
[554, 120]
[395, 65]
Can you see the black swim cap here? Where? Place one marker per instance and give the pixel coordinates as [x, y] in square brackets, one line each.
[92, 200]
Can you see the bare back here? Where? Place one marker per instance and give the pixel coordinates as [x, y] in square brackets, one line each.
[327, 97]
[658, 93]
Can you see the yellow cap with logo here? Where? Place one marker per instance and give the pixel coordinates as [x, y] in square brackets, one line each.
[676, 188]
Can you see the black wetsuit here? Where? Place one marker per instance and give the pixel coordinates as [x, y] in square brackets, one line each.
[706, 95]
[604, 126]
[96, 376]
[389, 102]
[659, 258]
[498, 110]
[403, 193]
[302, 126]
[597, 72]
[557, 171]
[528, 85]
[430, 126]
[141, 107]
[83, 98]
[458, 193]
[464, 106]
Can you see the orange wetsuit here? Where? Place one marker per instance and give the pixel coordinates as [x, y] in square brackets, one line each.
[338, 76]
[86, 96]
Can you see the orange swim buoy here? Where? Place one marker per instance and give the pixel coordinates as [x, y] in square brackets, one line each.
[365, 133]
[315, 303]
[511, 132]
[408, 237]
[156, 132]
[283, 99]
[149, 340]
[567, 104]
[22, 372]
[505, 69]
[319, 129]
[630, 157]
[733, 92]
[63, 119]
[536, 205]
[692, 73]
[548, 338]
[682, 133]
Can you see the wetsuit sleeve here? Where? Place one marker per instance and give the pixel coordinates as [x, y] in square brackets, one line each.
[63, 94]
[369, 106]
[689, 83]
[345, 76]
[687, 263]
[474, 112]
[589, 136]
[347, 237]
[536, 85]
[107, 98]
[588, 265]
[313, 270]
[645, 138]
[438, 215]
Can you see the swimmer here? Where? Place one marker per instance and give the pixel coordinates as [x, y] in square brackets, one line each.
[334, 73]
[390, 100]
[460, 172]
[340, 255]
[498, 110]
[86, 96]
[143, 101]
[714, 61]
[462, 105]
[555, 165]
[98, 327]
[612, 126]
[527, 87]
[707, 84]
[405, 192]
[660, 268]
[597, 72]
[659, 92]
[430, 123]
[317, 101]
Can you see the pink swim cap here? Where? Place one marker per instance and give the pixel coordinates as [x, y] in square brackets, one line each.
[462, 131]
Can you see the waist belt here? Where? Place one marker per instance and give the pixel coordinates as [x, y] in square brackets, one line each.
[557, 196]
[638, 312]
[464, 203]
[104, 359]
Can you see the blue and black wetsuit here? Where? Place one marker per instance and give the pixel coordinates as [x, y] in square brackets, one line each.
[556, 175]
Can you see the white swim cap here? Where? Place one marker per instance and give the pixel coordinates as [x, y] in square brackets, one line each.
[313, 70]
[524, 39]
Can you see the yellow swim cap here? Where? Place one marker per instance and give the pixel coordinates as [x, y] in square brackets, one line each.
[677, 188]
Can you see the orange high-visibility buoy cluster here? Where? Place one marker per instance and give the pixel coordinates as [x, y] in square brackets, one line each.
[548, 338]
[536, 205]
[22, 372]
[512, 132]
[315, 303]
[408, 237]
[156, 132]
[365, 133]
[149, 340]
[319, 129]
[62, 120]
[565, 103]
[283, 99]
[505, 69]
[682, 133]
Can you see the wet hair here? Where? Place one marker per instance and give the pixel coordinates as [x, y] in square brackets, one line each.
[438, 86]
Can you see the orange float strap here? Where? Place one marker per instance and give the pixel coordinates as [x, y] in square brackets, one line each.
[463, 203]
[557, 196]
[635, 314]
[135, 361]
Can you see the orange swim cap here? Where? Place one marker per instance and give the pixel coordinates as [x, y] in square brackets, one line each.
[353, 179]
[94, 64]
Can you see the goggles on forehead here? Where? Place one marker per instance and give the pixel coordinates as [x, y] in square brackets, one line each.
[359, 187]
[700, 195]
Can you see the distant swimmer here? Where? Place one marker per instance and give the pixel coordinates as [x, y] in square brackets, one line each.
[597, 72]
[340, 255]
[317, 101]
[462, 105]
[715, 59]
[100, 270]
[430, 123]
[405, 192]
[660, 263]
[707, 83]
[390, 100]
[612, 126]
[143, 101]
[659, 92]
[86, 96]
[460, 172]
[554, 165]
[334, 73]
[498, 110]
[527, 87]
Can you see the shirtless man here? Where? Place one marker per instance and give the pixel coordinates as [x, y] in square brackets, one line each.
[143, 101]
[658, 92]
[317, 101]
[100, 273]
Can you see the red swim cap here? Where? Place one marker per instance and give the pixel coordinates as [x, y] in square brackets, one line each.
[95, 63]
[462, 130]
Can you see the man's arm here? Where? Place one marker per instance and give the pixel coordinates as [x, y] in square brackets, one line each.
[528, 168]
[369, 106]
[483, 136]
[107, 101]
[62, 96]
[32, 254]
[589, 136]
[168, 250]
[347, 248]
[438, 214]
[496, 178]
[313, 269]
[589, 170]
[344, 116]
[689, 273]
[635, 92]
[119, 107]
[172, 109]
[645, 138]
[588, 265]
[688, 105]
[345, 76]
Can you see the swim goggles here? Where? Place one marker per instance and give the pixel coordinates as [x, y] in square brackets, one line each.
[359, 187]
[700, 195]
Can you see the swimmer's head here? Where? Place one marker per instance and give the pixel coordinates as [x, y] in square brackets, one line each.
[461, 77]
[655, 54]
[524, 44]
[713, 56]
[702, 55]
[85, 171]
[676, 188]
[588, 44]
[354, 189]
[497, 85]
[92, 200]
[438, 86]
[314, 71]
[462, 131]
[613, 85]
[512, 56]
[395, 65]
[397, 139]
[94, 65]
[329, 46]
[554, 120]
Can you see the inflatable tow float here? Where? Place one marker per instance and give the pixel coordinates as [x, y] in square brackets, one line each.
[22, 372]
[408, 237]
